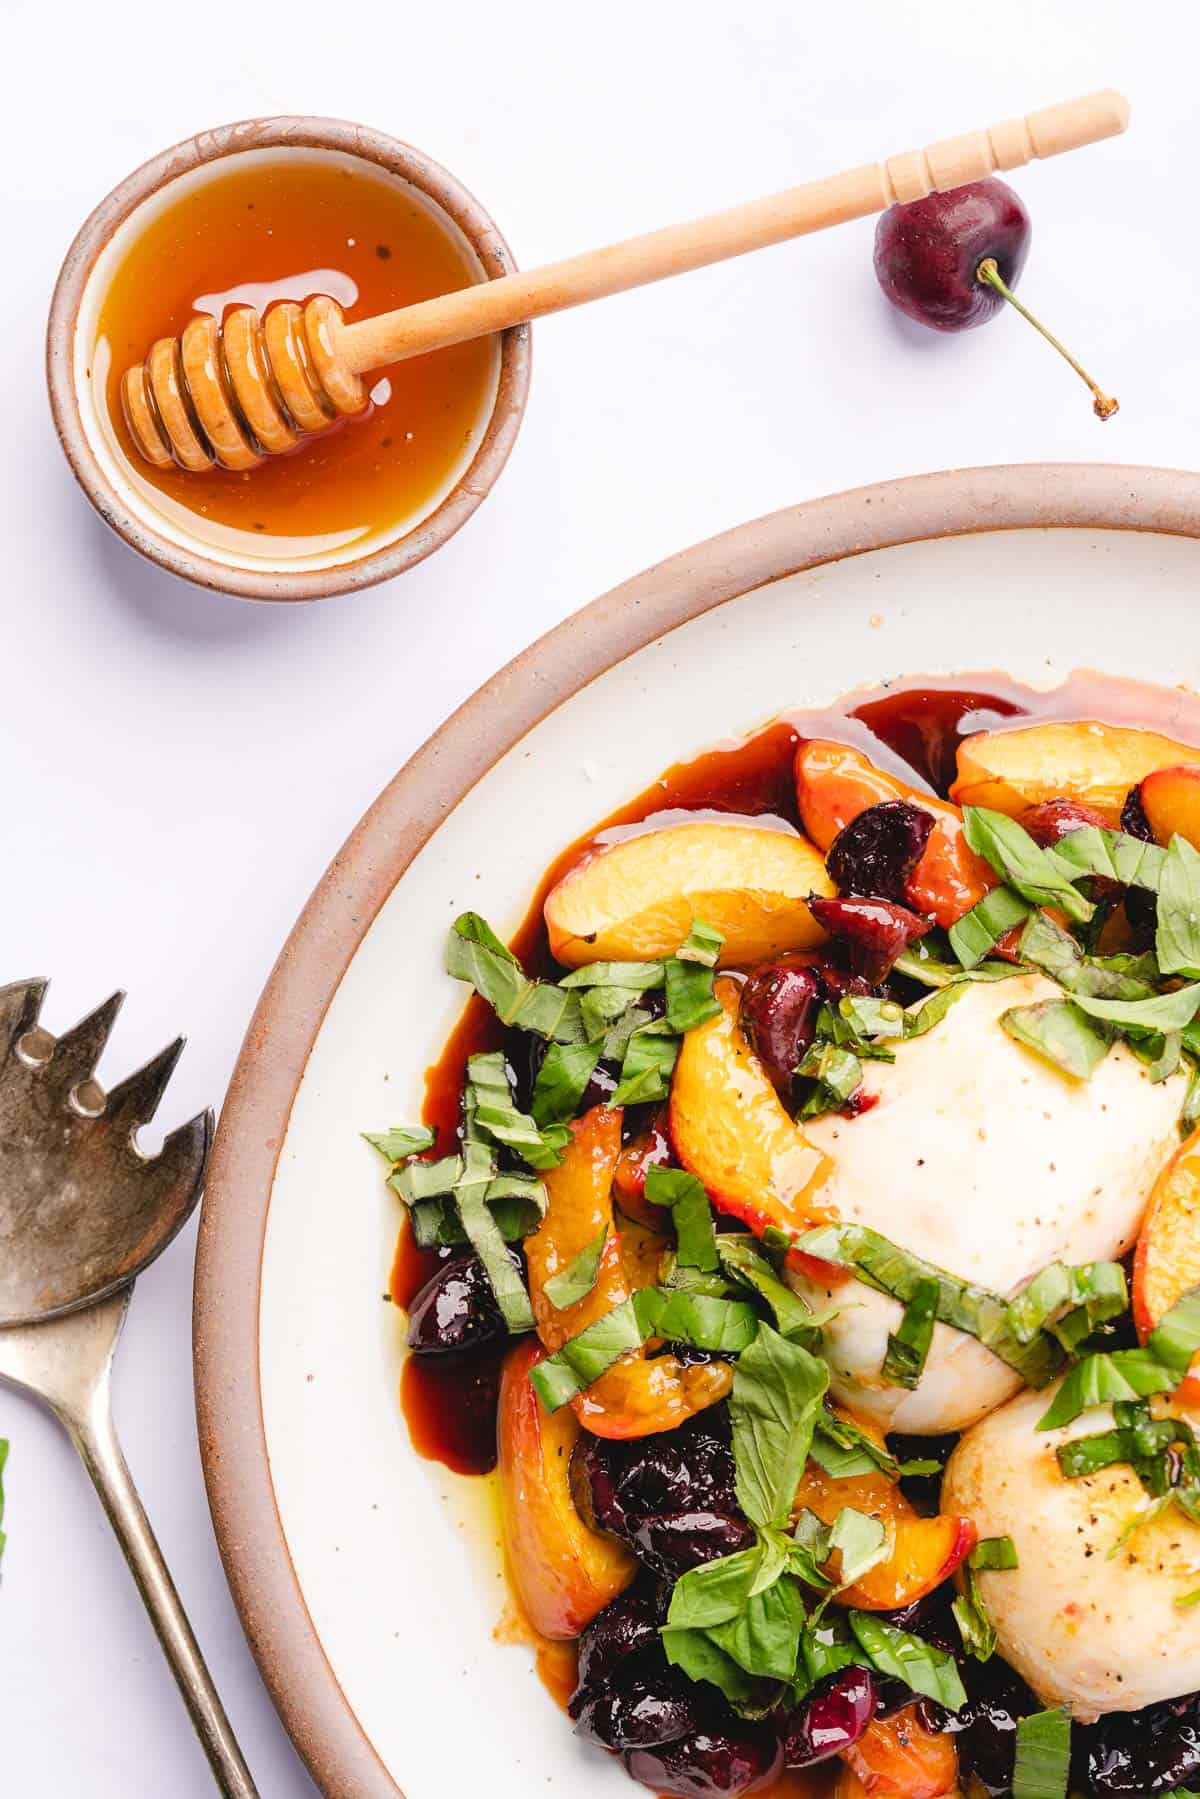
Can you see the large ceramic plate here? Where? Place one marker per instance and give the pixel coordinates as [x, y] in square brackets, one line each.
[369, 1586]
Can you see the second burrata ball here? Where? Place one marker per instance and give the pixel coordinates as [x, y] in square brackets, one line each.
[980, 1157]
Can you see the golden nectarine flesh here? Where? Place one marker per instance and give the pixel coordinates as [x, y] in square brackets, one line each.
[1093, 763]
[634, 900]
[563, 1573]
[1167, 1261]
[1171, 802]
[835, 783]
[732, 1132]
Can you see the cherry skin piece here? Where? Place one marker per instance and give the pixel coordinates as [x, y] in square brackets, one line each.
[927, 254]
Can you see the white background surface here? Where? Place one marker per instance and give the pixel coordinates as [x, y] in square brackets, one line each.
[177, 769]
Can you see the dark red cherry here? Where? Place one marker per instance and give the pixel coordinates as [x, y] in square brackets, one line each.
[873, 932]
[878, 850]
[927, 254]
[710, 1764]
[779, 1007]
[1051, 820]
[950, 261]
[830, 1719]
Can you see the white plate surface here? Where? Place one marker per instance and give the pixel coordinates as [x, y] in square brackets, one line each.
[396, 1560]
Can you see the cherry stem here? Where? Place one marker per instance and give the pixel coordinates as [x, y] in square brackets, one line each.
[989, 274]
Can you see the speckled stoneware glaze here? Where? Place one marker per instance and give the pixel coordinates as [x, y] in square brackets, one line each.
[367, 1579]
[102, 471]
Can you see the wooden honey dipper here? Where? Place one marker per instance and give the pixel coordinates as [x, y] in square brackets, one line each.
[252, 387]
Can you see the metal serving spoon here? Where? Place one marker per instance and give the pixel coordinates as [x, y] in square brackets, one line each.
[82, 1212]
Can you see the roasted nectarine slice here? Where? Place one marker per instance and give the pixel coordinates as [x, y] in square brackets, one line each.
[897, 1758]
[834, 783]
[1171, 802]
[635, 900]
[1093, 763]
[563, 1572]
[638, 1395]
[1167, 1261]
[731, 1130]
[922, 1552]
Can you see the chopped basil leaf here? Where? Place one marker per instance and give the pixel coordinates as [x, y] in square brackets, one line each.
[680, 1279]
[579, 1363]
[826, 1647]
[975, 1627]
[1110, 854]
[980, 929]
[922, 1016]
[1162, 1012]
[992, 1553]
[490, 1113]
[764, 1637]
[1177, 939]
[703, 944]
[725, 1326]
[863, 1542]
[401, 1141]
[836, 1073]
[908, 1344]
[869, 1017]
[630, 977]
[1047, 946]
[918, 1664]
[1190, 1116]
[650, 1056]
[1163, 1453]
[691, 1214]
[740, 1256]
[483, 1234]
[690, 997]
[1129, 1374]
[1021, 862]
[562, 1081]
[1043, 1765]
[1058, 1030]
[776, 1401]
[576, 1281]
[881, 1264]
[842, 1448]
[1098, 1287]
[600, 1008]
[1186, 1599]
[698, 1656]
[518, 1204]
[928, 961]
[476, 955]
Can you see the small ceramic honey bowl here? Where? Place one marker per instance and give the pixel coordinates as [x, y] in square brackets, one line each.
[278, 210]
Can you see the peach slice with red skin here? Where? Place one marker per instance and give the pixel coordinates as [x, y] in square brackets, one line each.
[1092, 763]
[636, 1396]
[563, 1573]
[634, 900]
[834, 783]
[731, 1131]
[922, 1552]
[1166, 1264]
[898, 1758]
[1171, 801]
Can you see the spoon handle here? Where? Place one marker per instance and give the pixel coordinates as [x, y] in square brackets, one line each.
[95, 1437]
[67, 1363]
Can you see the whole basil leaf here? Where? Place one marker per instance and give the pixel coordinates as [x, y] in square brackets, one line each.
[775, 1404]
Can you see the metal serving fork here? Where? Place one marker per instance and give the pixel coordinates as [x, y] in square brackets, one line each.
[82, 1212]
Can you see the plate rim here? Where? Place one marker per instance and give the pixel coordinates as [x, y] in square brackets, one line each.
[321, 945]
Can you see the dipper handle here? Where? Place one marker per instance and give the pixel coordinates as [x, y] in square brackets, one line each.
[511, 300]
[248, 388]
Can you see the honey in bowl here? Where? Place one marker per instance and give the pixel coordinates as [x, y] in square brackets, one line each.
[287, 225]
